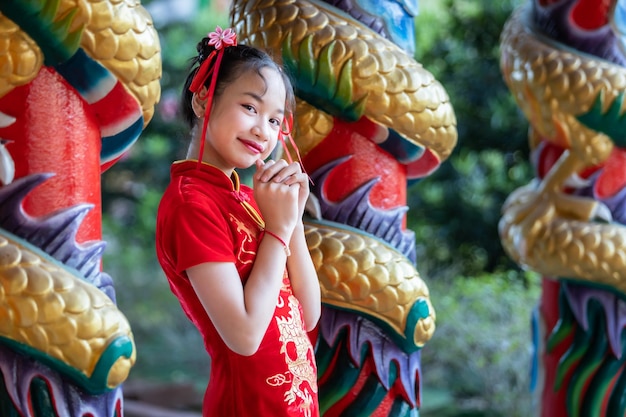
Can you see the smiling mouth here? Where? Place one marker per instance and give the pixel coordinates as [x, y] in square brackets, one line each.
[253, 146]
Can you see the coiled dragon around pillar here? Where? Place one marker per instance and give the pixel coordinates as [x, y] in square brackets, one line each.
[78, 83]
[370, 120]
[564, 61]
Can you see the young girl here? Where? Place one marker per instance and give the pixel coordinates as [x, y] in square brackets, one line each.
[237, 259]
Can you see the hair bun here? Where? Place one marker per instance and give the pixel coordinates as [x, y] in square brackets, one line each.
[204, 49]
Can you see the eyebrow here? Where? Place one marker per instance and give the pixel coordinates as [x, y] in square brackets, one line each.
[260, 100]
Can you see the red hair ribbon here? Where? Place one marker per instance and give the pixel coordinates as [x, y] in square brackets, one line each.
[286, 133]
[211, 66]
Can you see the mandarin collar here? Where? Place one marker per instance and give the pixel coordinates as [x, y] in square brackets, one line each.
[215, 176]
[208, 172]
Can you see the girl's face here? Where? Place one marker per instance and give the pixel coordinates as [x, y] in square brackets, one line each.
[245, 121]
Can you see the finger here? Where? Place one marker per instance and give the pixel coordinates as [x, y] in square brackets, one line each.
[271, 170]
[261, 166]
[288, 171]
[297, 178]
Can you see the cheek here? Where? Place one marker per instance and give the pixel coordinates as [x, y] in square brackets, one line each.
[271, 145]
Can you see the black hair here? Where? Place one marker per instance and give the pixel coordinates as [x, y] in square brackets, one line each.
[235, 61]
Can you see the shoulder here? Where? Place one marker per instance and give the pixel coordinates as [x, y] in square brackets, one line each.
[190, 195]
[184, 210]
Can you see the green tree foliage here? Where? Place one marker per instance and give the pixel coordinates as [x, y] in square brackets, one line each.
[455, 211]
[478, 361]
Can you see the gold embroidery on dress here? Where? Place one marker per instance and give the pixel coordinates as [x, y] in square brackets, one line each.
[300, 368]
[244, 256]
[279, 379]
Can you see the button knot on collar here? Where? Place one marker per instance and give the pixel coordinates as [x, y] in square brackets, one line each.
[241, 196]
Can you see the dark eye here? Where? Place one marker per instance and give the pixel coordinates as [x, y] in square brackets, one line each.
[248, 107]
[275, 122]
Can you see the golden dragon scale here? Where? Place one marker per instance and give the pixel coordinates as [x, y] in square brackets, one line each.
[46, 311]
[361, 273]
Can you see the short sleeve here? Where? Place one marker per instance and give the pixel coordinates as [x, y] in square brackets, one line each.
[199, 234]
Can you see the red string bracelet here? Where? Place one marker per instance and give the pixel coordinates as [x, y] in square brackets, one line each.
[275, 236]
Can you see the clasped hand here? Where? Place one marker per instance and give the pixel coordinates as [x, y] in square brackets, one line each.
[281, 191]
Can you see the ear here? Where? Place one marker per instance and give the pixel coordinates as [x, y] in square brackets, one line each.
[198, 104]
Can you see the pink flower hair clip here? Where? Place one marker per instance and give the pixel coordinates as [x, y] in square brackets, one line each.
[220, 39]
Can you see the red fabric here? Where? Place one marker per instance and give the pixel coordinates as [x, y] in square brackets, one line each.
[201, 219]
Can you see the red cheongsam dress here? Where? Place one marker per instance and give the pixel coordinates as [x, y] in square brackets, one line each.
[204, 216]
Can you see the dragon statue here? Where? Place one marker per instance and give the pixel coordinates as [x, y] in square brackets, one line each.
[369, 121]
[78, 83]
[564, 62]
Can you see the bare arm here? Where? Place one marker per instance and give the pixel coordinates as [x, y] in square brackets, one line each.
[303, 276]
[241, 314]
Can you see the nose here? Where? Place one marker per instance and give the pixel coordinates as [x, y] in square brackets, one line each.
[260, 131]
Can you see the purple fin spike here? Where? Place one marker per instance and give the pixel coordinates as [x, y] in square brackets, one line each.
[356, 211]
